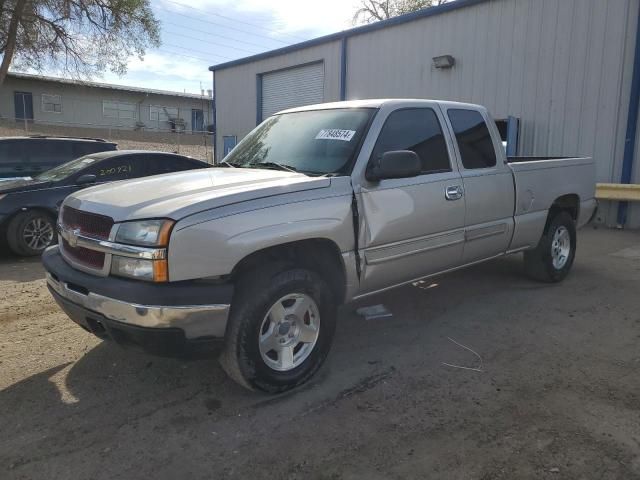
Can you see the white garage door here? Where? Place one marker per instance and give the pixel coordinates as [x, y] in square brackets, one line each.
[294, 87]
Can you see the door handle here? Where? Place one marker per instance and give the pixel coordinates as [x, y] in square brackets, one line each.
[453, 192]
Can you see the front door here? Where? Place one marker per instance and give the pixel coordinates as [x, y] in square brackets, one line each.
[23, 102]
[414, 228]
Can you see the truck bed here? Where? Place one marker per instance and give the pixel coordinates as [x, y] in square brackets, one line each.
[539, 182]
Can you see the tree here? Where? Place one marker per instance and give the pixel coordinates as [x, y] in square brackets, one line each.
[79, 38]
[375, 10]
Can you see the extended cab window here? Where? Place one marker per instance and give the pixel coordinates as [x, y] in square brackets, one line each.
[474, 139]
[418, 130]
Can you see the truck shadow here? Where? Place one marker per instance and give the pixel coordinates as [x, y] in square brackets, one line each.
[87, 403]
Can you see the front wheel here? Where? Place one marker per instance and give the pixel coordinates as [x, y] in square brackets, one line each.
[553, 258]
[280, 329]
[30, 232]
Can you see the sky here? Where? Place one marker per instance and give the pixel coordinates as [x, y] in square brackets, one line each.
[200, 33]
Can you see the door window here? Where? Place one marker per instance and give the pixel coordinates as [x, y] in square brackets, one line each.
[12, 161]
[418, 130]
[117, 168]
[43, 155]
[474, 139]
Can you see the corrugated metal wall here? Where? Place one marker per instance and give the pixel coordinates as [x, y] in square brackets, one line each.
[236, 88]
[563, 66]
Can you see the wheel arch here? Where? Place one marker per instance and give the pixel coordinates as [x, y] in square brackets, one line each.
[569, 203]
[321, 255]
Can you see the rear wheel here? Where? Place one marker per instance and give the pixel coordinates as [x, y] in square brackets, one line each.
[30, 232]
[553, 258]
[280, 329]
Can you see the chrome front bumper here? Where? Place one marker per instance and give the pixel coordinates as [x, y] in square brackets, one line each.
[196, 321]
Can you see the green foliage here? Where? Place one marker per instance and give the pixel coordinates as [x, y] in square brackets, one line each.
[78, 38]
[375, 10]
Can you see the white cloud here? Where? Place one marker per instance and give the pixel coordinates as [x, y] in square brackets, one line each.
[164, 71]
[288, 16]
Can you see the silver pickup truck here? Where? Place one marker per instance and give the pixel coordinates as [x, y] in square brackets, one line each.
[316, 207]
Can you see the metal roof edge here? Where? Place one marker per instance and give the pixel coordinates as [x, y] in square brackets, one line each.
[407, 17]
[106, 86]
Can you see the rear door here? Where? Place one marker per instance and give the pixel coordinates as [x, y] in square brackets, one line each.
[412, 228]
[488, 183]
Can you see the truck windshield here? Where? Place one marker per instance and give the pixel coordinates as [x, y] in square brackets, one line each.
[316, 142]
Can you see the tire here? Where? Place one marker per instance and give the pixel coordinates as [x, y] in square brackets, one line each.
[30, 232]
[550, 261]
[269, 309]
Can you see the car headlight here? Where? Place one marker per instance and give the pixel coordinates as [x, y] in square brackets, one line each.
[145, 233]
[140, 269]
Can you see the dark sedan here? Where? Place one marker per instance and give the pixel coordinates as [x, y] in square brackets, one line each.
[28, 208]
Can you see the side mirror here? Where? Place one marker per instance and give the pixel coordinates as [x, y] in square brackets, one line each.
[396, 164]
[86, 179]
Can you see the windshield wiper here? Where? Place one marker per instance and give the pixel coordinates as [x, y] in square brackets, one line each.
[279, 166]
[224, 162]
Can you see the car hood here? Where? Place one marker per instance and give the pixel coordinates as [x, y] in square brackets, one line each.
[21, 185]
[178, 195]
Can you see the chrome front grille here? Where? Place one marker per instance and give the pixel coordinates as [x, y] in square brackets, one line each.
[88, 224]
[84, 256]
[78, 223]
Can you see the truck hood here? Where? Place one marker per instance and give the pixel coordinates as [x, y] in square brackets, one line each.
[178, 195]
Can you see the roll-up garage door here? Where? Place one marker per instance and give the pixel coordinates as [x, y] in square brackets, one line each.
[293, 87]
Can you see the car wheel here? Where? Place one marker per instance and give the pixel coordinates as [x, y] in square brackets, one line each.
[30, 232]
[280, 329]
[553, 258]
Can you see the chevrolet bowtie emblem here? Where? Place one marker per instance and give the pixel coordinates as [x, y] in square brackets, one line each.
[73, 237]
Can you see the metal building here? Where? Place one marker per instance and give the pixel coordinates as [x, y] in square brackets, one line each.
[567, 70]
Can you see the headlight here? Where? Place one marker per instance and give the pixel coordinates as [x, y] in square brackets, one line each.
[141, 269]
[145, 233]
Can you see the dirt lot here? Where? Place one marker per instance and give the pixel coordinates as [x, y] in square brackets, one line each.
[558, 396]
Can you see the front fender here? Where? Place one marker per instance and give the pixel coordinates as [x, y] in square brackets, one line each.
[213, 248]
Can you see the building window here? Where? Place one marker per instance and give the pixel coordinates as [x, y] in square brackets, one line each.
[162, 114]
[51, 103]
[119, 110]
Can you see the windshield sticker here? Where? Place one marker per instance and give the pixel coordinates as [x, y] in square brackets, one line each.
[335, 134]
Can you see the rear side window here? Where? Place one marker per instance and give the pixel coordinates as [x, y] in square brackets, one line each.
[12, 161]
[474, 139]
[158, 164]
[418, 130]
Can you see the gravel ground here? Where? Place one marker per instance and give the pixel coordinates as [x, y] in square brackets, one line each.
[557, 397]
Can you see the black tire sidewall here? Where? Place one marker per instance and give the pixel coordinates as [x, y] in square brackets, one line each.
[15, 237]
[562, 219]
[254, 302]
